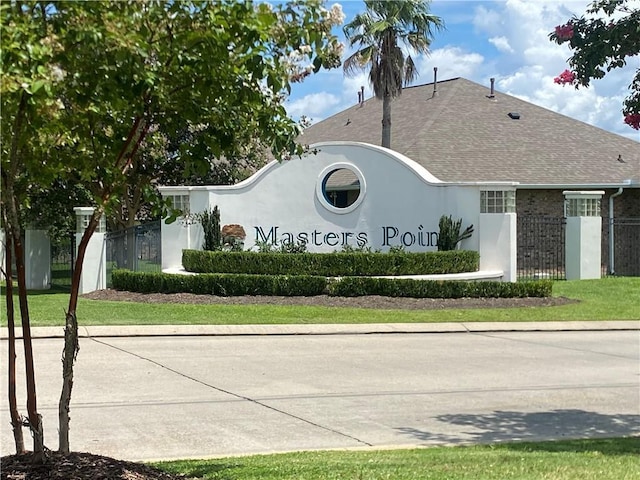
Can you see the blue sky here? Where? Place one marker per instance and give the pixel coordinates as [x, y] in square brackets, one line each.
[504, 39]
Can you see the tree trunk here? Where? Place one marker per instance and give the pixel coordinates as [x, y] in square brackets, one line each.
[35, 419]
[13, 229]
[16, 418]
[386, 121]
[71, 344]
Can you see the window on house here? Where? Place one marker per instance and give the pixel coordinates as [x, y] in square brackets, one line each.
[497, 201]
[582, 207]
[180, 202]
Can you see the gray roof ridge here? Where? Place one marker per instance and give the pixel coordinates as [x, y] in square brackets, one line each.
[440, 106]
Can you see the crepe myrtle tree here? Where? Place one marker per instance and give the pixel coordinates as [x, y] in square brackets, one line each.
[600, 41]
[85, 84]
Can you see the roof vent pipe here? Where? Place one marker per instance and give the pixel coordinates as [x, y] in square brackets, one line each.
[359, 97]
[435, 81]
[362, 94]
[493, 81]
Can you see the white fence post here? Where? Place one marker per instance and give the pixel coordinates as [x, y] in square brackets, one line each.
[583, 236]
[37, 259]
[94, 267]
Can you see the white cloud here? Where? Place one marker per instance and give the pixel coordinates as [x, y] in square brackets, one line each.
[502, 44]
[486, 20]
[315, 105]
[451, 62]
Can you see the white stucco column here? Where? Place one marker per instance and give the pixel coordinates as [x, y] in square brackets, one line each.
[37, 259]
[94, 267]
[583, 235]
[497, 230]
[498, 244]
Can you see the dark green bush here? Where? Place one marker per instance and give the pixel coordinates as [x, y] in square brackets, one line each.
[307, 285]
[361, 286]
[336, 264]
[210, 221]
[219, 284]
[449, 235]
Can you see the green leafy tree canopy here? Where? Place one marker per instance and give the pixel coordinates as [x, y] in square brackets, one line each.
[86, 84]
[600, 41]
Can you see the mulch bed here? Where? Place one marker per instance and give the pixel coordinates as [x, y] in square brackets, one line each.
[78, 466]
[371, 301]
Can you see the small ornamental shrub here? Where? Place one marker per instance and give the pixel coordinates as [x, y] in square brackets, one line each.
[449, 235]
[210, 221]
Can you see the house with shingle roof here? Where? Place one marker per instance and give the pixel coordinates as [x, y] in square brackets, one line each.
[461, 131]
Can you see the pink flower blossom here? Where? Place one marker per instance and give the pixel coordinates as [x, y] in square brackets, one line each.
[565, 77]
[633, 120]
[564, 32]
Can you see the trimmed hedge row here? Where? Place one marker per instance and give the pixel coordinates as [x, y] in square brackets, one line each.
[225, 285]
[388, 287]
[309, 285]
[331, 264]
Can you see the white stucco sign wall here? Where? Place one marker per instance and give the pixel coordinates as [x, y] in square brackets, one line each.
[346, 193]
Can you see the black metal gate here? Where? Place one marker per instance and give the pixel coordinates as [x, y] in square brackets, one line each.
[626, 247]
[63, 257]
[136, 248]
[541, 248]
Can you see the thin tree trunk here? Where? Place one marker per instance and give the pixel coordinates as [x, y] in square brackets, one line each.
[35, 419]
[386, 121]
[13, 230]
[71, 344]
[16, 418]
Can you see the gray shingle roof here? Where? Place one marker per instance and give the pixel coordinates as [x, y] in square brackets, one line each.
[462, 135]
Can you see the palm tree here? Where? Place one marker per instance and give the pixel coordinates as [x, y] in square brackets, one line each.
[377, 33]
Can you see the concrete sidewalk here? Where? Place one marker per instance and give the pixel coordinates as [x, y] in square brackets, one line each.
[328, 329]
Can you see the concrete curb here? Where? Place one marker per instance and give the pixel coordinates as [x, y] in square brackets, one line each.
[328, 329]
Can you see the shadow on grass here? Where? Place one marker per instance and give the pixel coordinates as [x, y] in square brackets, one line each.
[504, 426]
[54, 290]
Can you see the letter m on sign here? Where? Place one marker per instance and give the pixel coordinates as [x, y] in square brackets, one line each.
[270, 237]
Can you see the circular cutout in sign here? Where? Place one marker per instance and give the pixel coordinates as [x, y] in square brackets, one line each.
[341, 188]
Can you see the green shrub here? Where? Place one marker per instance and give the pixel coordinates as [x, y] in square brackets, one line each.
[219, 284]
[337, 264]
[307, 285]
[361, 286]
[210, 221]
[449, 235]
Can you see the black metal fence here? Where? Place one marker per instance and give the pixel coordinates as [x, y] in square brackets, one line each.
[541, 248]
[626, 247]
[63, 257]
[137, 248]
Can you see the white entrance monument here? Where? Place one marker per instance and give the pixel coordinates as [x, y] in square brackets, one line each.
[348, 194]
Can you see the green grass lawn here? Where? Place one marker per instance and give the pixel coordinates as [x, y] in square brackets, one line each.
[606, 299]
[605, 459]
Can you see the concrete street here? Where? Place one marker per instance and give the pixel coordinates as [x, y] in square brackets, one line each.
[144, 398]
